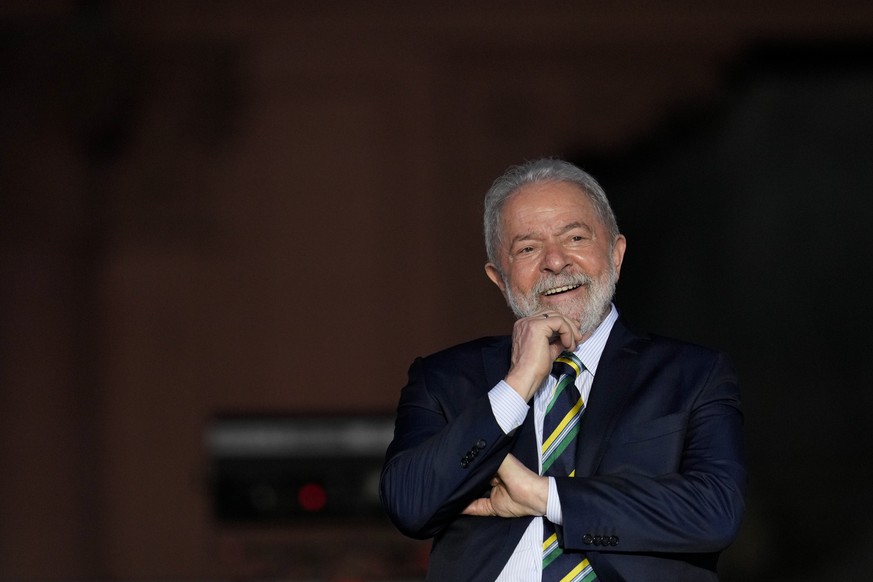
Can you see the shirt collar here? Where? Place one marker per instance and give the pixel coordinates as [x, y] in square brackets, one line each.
[591, 349]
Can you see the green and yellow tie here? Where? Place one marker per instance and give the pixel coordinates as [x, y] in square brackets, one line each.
[560, 428]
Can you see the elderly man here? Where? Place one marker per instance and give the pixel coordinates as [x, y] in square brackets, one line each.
[576, 449]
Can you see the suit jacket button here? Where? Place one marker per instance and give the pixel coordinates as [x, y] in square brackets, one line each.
[598, 540]
[464, 462]
[587, 539]
[613, 540]
[481, 444]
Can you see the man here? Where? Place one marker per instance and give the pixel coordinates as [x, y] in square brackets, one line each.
[650, 482]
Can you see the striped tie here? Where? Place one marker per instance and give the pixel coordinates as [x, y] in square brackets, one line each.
[560, 427]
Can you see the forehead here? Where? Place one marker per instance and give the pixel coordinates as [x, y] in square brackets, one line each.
[547, 205]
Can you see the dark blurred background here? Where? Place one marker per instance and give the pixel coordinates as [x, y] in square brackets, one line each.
[226, 229]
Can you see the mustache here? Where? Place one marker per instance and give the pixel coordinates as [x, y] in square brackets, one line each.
[552, 281]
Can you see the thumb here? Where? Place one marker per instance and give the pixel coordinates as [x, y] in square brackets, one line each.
[480, 507]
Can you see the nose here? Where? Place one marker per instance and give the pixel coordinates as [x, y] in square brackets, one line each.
[554, 258]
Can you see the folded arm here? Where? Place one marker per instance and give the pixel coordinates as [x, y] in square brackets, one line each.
[444, 454]
[693, 504]
[697, 508]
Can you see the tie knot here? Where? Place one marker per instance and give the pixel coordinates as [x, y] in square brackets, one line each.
[567, 363]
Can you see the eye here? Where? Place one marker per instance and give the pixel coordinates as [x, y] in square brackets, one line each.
[578, 236]
[523, 250]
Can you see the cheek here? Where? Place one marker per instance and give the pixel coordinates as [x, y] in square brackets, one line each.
[520, 277]
[523, 281]
[597, 264]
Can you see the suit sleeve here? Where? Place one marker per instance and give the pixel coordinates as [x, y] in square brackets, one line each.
[447, 445]
[694, 505]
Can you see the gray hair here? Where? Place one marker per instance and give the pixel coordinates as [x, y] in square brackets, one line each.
[536, 171]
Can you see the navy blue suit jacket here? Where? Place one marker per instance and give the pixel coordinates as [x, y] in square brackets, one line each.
[660, 476]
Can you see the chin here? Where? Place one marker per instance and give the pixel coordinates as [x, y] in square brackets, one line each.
[589, 316]
[577, 310]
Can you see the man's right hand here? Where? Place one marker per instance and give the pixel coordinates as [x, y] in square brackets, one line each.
[536, 342]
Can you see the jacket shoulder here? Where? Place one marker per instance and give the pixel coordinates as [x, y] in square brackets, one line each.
[643, 340]
[469, 349]
[482, 362]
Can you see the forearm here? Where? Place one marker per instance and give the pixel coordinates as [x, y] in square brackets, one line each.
[696, 506]
[673, 513]
[425, 485]
[441, 458]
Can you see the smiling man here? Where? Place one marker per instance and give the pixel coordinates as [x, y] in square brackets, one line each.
[574, 449]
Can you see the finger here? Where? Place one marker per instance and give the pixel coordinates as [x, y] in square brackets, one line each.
[560, 329]
[569, 336]
[479, 507]
[554, 319]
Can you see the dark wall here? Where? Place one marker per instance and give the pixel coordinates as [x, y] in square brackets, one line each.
[201, 203]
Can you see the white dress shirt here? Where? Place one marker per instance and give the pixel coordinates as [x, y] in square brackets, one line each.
[510, 410]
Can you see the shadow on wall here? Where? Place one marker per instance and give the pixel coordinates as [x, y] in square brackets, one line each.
[748, 230]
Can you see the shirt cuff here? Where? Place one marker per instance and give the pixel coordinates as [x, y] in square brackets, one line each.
[553, 506]
[508, 407]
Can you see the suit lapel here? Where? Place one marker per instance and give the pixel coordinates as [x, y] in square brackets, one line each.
[612, 386]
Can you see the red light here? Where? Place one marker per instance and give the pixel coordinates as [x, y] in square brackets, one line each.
[312, 497]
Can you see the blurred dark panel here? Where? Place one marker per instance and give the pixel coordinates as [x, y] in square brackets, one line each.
[273, 469]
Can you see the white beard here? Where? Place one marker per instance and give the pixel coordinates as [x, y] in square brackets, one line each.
[588, 310]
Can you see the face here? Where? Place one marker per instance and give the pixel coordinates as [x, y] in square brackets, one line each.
[555, 254]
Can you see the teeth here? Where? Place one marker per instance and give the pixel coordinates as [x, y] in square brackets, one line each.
[560, 289]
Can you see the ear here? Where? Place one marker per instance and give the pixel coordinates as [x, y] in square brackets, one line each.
[494, 274]
[618, 252]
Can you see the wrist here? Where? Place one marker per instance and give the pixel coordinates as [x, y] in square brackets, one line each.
[539, 496]
[525, 385]
[554, 513]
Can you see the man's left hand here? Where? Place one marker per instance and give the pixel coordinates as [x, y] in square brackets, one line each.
[516, 491]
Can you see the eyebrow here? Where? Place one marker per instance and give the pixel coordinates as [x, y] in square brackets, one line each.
[567, 228]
